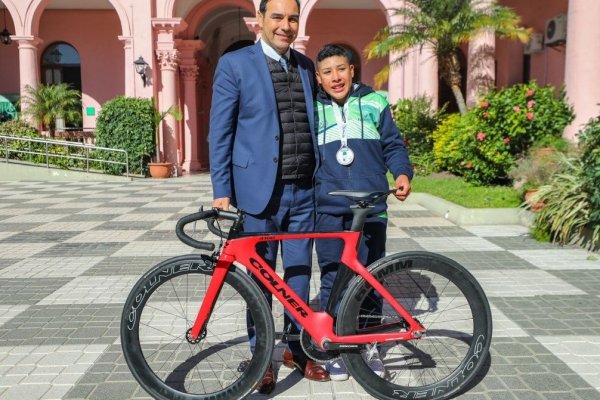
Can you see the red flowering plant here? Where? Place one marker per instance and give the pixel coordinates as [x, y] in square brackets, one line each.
[500, 129]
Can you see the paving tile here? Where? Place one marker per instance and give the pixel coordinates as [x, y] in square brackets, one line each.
[563, 259]
[457, 243]
[50, 267]
[519, 283]
[61, 325]
[27, 290]
[71, 251]
[92, 290]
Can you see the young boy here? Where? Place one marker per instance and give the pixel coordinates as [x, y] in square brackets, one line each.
[358, 143]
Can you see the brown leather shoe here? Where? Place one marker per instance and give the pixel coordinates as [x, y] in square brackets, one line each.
[267, 384]
[310, 369]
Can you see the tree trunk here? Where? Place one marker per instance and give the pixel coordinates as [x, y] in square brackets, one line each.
[460, 100]
[450, 71]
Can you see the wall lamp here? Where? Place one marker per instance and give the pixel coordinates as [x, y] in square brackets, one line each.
[5, 34]
[140, 68]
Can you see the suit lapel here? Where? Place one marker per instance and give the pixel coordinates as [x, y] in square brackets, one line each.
[260, 64]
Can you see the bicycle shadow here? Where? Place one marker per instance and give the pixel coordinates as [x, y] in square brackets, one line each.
[293, 378]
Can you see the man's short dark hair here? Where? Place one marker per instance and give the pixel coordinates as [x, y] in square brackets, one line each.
[263, 6]
[332, 50]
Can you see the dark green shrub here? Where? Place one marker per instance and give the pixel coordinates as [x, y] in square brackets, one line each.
[416, 120]
[503, 126]
[21, 150]
[127, 123]
[590, 158]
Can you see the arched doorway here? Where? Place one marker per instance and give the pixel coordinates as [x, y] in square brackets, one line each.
[61, 64]
[222, 30]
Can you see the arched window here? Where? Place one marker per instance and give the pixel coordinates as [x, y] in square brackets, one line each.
[354, 60]
[61, 63]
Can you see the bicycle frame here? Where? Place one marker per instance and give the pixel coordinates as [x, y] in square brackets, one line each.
[319, 324]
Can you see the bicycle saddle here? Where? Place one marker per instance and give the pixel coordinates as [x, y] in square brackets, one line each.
[360, 196]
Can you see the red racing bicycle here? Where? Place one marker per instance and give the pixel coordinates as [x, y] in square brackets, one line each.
[184, 332]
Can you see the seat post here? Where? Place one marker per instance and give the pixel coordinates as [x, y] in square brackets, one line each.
[359, 216]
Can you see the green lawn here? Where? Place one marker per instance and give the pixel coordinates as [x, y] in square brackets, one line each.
[458, 191]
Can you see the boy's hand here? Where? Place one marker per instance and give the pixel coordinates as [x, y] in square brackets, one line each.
[402, 186]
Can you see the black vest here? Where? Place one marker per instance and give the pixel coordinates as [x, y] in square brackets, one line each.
[297, 157]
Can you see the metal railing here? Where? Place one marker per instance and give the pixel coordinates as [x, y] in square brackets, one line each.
[87, 156]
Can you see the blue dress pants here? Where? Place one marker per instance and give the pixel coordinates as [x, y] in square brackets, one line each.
[291, 209]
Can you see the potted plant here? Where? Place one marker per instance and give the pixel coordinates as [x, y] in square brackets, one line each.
[158, 167]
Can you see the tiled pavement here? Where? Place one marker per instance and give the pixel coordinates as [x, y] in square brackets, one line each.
[70, 252]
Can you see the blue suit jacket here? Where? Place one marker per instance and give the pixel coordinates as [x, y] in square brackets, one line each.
[244, 136]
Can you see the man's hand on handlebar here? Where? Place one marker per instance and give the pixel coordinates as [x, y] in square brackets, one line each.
[402, 186]
[222, 203]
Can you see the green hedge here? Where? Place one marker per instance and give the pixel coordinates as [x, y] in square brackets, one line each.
[416, 120]
[127, 123]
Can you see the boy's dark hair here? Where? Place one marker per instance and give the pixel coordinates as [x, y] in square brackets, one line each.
[332, 50]
[263, 6]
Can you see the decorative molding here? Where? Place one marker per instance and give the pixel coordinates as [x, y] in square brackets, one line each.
[169, 25]
[301, 43]
[168, 59]
[189, 72]
[127, 41]
[252, 24]
[190, 46]
[27, 41]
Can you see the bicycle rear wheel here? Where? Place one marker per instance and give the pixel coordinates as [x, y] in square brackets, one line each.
[160, 310]
[445, 298]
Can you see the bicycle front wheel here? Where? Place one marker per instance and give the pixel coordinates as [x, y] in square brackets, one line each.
[161, 309]
[445, 298]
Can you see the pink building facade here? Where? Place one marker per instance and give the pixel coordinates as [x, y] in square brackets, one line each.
[94, 43]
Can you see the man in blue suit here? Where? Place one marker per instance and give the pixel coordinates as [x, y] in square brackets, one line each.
[263, 154]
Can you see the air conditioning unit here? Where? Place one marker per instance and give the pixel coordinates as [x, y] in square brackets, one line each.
[535, 44]
[556, 30]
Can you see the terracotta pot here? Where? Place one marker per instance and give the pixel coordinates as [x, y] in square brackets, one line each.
[160, 170]
[534, 207]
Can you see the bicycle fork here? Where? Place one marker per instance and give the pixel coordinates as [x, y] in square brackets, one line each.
[212, 293]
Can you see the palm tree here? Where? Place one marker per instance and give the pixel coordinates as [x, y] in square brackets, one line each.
[443, 25]
[159, 116]
[46, 103]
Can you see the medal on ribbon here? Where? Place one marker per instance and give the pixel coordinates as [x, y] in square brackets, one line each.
[345, 155]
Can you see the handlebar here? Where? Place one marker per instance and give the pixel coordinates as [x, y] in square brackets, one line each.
[211, 216]
[363, 200]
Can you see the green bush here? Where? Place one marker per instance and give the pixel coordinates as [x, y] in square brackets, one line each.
[486, 142]
[416, 120]
[590, 158]
[127, 123]
[565, 217]
[20, 128]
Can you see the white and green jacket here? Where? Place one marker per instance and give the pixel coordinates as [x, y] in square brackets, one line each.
[373, 137]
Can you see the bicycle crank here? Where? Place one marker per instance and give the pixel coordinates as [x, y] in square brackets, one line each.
[313, 351]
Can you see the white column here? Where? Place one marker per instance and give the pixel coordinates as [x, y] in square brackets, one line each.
[582, 78]
[129, 67]
[168, 69]
[189, 71]
[28, 65]
[301, 43]
[481, 73]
